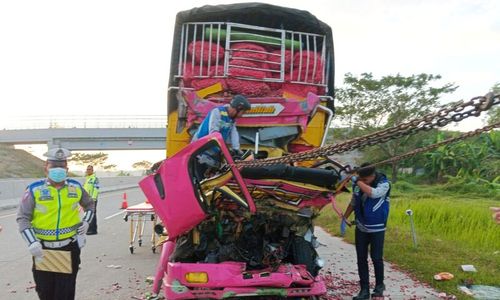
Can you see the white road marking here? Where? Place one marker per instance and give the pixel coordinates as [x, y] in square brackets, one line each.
[1, 217]
[114, 215]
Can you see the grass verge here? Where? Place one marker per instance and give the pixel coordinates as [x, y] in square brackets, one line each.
[453, 229]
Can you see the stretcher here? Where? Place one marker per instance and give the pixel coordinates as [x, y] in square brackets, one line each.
[138, 215]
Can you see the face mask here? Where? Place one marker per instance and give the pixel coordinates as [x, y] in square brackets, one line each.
[57, 174]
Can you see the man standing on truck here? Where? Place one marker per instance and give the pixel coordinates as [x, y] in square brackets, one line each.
[222, 119]
[370, 203]
[92, 187]
[49, 220]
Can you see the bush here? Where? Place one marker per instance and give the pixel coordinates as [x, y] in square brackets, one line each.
[404, 186]
[471, 185]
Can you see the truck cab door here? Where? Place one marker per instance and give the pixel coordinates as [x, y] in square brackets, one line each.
[178, 189]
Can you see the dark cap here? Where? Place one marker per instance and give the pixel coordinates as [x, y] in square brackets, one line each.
[240, 102]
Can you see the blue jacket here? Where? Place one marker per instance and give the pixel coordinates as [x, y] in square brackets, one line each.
[372, 213]
[218, 120]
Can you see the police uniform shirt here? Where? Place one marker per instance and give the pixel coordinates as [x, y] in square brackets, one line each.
[27, 206]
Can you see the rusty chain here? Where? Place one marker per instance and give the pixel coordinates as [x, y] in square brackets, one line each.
[454, 112]
[439, 144]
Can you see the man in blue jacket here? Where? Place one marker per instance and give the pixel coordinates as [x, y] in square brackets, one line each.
[221, 119]
[370, 203]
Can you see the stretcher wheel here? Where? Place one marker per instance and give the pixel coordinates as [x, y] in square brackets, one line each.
[131, 248]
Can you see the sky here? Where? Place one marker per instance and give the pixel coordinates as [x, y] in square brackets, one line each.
[107, 57]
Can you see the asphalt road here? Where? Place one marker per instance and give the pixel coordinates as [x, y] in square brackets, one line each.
[110, 271]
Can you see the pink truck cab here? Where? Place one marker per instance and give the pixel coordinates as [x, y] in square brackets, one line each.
[220, 207]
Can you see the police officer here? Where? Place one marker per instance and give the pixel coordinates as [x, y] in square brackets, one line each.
[222, 119]
[370, 203]
[49, 218]
[92, 187]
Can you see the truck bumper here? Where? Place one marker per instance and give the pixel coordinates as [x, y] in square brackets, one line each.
[230, 279]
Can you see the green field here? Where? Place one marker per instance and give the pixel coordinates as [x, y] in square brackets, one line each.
[453, 229]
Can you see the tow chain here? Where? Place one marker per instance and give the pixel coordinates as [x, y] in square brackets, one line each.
[436, 145]
[454, 112]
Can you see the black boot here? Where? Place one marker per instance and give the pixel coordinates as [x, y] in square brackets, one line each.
[378, 291]
[364, 294]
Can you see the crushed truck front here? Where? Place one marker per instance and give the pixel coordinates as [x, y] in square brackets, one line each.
[242, 232]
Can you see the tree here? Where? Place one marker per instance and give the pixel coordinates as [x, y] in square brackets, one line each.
[109, 167]
[143, 165]
[97, 159]
[123, 173]
[477, 157]
[370, 104]
[494, 112]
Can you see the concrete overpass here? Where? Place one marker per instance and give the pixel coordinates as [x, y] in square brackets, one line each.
[88, 133]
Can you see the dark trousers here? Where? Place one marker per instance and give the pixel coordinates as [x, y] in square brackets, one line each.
[58, 286]
[93, 222]
[376, 242]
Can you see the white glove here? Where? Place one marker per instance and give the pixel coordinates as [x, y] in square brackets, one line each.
[83, 228]
[36, 249]
[82, 240]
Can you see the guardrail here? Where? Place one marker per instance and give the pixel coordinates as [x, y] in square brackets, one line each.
[102, 121]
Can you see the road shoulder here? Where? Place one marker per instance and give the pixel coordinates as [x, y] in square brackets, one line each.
[341, 273]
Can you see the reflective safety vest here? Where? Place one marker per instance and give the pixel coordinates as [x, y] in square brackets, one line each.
[92, 186]
[56, 214]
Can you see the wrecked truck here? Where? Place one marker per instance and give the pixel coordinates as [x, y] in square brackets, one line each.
[236, 232]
